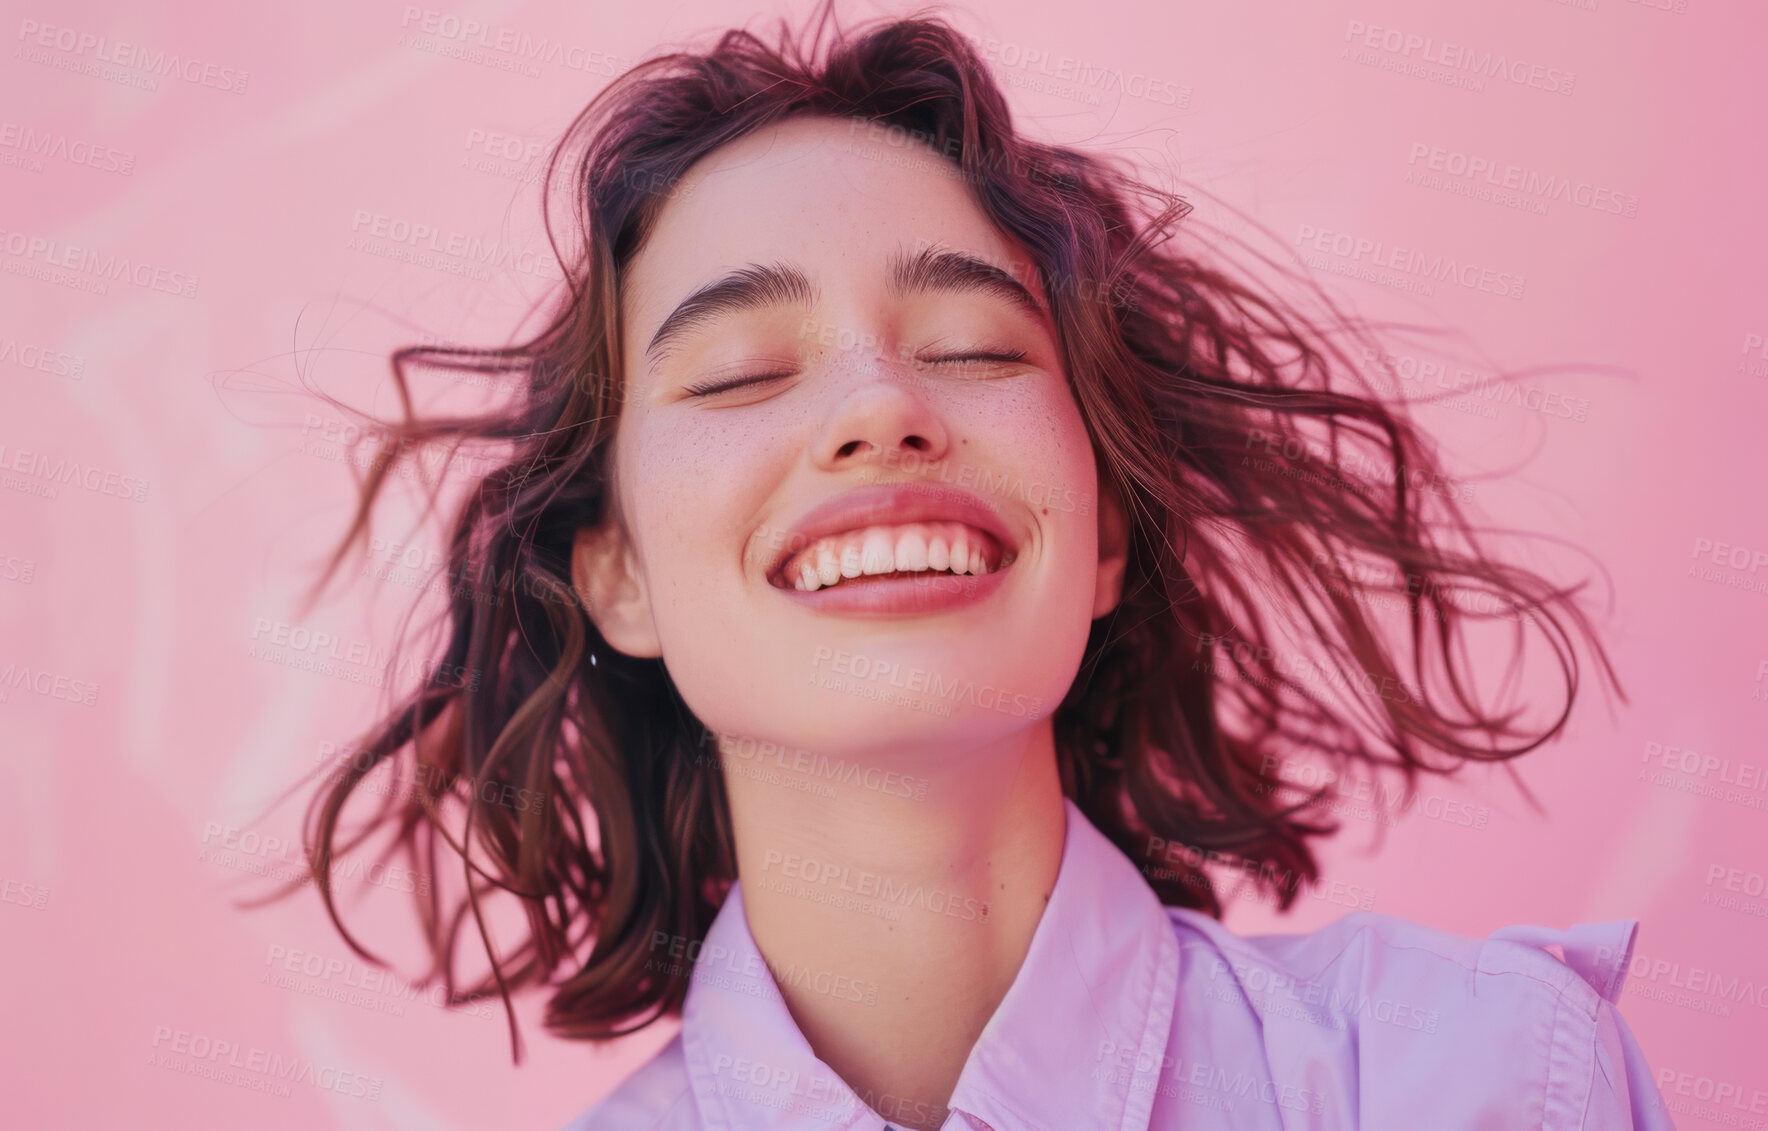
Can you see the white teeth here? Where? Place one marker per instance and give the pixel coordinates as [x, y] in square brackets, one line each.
[939, 554]
[850, 561]
[911, 551]
[876, 553]
[915, 547]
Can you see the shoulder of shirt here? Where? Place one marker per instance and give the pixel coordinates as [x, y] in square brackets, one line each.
[657, 1097]
[1369, 938]
[1391, 983]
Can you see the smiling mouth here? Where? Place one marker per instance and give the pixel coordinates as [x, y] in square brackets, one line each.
[892, 552]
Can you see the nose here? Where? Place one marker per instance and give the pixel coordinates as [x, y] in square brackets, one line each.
[884, 420]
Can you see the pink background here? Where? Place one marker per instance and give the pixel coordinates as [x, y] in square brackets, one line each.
[157, 730]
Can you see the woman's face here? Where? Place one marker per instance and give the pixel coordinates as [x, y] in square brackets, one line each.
[868, 349]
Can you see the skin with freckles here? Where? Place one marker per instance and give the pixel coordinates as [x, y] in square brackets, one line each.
[859, 389]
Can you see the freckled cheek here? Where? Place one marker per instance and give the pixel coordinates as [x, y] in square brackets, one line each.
[690, 499]
[1061, 481]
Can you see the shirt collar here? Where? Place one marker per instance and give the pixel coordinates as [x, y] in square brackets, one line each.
[1095, 992]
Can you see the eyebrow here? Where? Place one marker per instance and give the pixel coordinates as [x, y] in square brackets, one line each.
[763, 285]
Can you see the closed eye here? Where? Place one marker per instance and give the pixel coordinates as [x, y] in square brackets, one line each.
[978, 355]
[710, 388]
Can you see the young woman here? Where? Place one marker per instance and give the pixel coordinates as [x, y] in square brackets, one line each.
[909, 586]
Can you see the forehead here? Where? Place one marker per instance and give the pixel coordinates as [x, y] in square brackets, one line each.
[834, 197]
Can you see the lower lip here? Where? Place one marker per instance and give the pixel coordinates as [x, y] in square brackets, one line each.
[933, 593]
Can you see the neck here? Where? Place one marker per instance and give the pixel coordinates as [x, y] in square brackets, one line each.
[921, 907]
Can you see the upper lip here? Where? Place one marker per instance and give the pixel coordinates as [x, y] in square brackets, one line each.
[891, 504]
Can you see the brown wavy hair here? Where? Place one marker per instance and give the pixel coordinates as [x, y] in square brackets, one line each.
[1268, 503]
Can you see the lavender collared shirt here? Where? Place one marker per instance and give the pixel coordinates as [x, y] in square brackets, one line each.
[1129, 1015]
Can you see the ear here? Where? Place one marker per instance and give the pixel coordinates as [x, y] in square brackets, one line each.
[605, 573]
[1114, 552]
